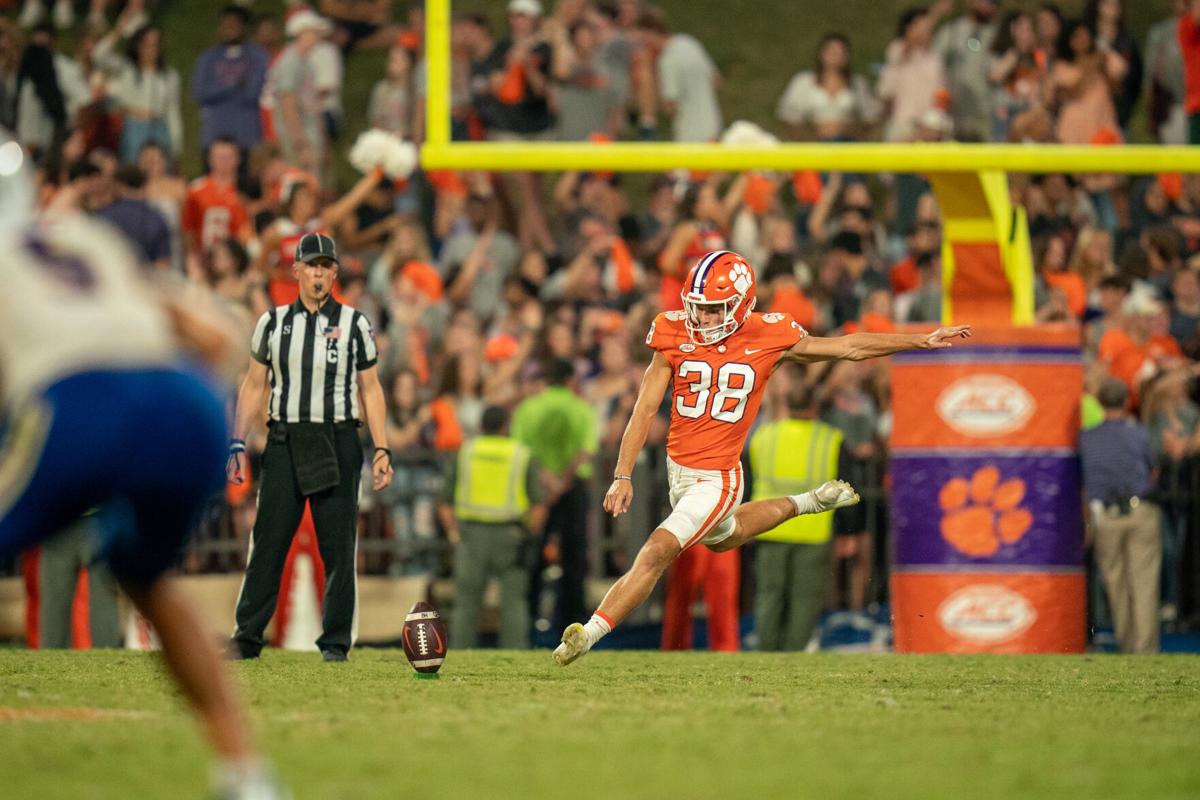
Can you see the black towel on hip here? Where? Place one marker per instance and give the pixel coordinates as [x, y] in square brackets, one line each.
[314, 456]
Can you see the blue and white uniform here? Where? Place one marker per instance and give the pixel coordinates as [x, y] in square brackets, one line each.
[99, 406]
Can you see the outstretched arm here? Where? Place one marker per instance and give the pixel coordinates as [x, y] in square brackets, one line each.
[654, 383]
[861, 346]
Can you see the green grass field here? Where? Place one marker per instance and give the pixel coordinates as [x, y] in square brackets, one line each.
[622, 724]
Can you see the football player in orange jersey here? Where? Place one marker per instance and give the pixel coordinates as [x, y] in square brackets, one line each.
[717, 355]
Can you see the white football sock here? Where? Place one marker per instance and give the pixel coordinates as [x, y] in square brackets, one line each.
[596, 628]
[805, 503]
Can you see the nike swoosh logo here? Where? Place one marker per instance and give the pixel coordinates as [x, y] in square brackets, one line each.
[750, 352]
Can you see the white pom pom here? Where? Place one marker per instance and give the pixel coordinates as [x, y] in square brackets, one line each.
[743, 133]
[401, 160]
[376, 148]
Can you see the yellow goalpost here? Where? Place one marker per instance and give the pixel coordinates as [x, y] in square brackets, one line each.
[969, 179]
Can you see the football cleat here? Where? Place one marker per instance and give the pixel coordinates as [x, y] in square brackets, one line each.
[835, 494]
[721, 281]
[574, 644]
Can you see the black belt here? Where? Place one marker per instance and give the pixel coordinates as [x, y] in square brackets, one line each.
[1123, 507]
[344, 425]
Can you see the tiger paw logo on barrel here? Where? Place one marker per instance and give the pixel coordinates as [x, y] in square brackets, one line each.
[980, 515]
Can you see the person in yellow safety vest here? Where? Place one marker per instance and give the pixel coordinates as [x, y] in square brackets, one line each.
[493, 510]
[793, 562]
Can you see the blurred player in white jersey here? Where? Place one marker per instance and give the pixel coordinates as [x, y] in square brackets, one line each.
[104, 401]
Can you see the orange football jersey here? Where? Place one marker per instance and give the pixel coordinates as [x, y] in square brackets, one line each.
[718, 388]
[213, 211]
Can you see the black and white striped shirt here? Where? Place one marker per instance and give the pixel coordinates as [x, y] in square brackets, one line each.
[313, 359]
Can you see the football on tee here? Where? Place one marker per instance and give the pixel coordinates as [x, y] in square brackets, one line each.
[425, 638]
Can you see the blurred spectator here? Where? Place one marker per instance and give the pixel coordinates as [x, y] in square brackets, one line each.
[964, 44]
[925, 239]
[913, 73]
[365, 231]
[492, 505]
[615, 58]
[1164, 78]
[1161, 246]
[10, 60]
[519, 79]
[474, 107]
[792, 453]
[329, 75]
[699, 573]
[213, 209]
[1189, 44]
[846, 205]
[41, 107]
[829, 103]
[269, 35]
[1049, 25]
[1136, 350]
[923, 302]
[227, 80]
[293, 93]
[560, 429]
[850, 408]
[141, 223]
[1015, 71]
[847, 273]
[1172, 419]
[1082, 84]
[145, 88]
[225, 267]
[1056, 275]
[390, 107]
[1117, 479]
[60, 560]
[165, 191]
[1092, 257]
[1185, 309]
[687, 79]
[1106, 20]
[476, 261]
[586, 103]
[360, 24]
[1112, 293]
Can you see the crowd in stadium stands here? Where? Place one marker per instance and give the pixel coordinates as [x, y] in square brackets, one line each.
[474, 281]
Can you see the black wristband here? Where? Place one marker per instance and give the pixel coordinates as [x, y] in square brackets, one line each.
[382, 450]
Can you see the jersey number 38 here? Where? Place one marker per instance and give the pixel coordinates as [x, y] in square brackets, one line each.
[734, 384]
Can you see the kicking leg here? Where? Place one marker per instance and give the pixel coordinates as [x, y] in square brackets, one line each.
[763, 515]
[629, 592]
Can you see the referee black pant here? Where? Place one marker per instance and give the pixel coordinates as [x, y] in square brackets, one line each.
[280, 509]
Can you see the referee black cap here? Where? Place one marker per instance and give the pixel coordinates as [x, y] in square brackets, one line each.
[315, 245]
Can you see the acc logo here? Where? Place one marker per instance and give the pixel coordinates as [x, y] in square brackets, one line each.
[675, 316]
[986, 614]
[985, 405]
[687, 347]
[772, 317]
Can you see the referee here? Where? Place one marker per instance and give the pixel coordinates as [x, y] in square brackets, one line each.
[321, 357]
